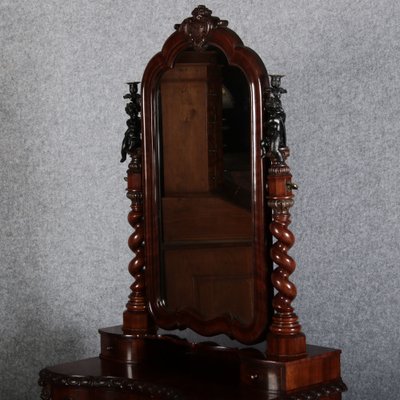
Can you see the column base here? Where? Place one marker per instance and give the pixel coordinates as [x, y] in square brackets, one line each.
[121, 347]
[137, 322]
[286, 347]
[320, 366]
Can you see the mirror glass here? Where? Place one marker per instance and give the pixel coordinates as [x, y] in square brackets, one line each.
[205, 188]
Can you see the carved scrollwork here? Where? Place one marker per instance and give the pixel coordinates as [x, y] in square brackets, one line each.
[48, 378]
[199, 26]
[318, 392]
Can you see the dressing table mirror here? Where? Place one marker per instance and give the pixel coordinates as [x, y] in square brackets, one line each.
[211, 192]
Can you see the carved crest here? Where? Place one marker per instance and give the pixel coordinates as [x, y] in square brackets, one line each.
[199, 26]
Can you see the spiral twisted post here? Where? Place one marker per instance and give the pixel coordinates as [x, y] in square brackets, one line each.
[286, 265]
[285, 339]
[136, 316]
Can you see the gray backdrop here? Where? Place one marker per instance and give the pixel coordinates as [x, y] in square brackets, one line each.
[63, 208]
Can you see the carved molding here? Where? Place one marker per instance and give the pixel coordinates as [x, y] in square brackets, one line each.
[318, 392]
[199, 26]
[135, 196]
[280, 206]
[48, 378]
[278, 169]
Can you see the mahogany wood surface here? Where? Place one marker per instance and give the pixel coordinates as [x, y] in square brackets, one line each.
[211, 280]
[137, 363]
[191, 120]
[206, 218]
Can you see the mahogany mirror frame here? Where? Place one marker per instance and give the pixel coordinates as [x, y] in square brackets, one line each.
[242, 57]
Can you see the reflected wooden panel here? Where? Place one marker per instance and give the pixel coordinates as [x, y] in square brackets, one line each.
[191, 128]
[204, 218]
[206, 246]
[211, 280]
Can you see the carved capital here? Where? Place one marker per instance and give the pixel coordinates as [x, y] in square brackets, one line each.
[135, 196]
[199, 26]
[278, 169]
[280, 206]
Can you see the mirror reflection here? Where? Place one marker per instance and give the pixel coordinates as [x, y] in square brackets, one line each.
[205, 188]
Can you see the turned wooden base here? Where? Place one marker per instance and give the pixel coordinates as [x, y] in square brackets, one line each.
[286, 347]
[133, 320]
[120, 347]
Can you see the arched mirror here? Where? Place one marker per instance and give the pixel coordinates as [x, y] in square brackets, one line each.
[205, 189]
[206, 246]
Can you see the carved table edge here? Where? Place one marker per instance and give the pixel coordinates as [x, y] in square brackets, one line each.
[318, 391]
[48, 378]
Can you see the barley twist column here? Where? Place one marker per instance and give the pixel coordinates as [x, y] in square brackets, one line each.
[285, 339]
[136, 316]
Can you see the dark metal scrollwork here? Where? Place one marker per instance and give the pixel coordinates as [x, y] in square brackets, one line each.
[274, 125]
[132, 139]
